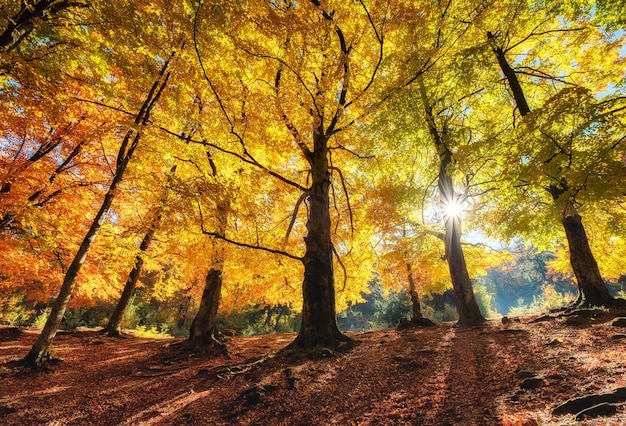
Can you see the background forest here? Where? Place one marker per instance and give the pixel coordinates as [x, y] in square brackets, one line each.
[164, 144]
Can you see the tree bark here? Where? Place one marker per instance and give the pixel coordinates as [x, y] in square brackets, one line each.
[319, 321]
[202, 333]
[464, 300]
[114, 326]
[509, 73]
[39, 354]
[202, 330]
[416, 308]
[21, 24]
[592, 288]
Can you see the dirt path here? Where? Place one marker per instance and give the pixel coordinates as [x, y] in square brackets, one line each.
[433, 376]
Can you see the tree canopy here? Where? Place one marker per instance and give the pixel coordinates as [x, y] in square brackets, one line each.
[308, 139]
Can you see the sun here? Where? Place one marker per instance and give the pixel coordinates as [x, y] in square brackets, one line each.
[453, 209]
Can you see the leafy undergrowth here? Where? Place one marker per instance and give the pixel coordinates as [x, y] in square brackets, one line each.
[511, 374]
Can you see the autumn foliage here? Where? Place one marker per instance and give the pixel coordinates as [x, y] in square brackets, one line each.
[307, 140]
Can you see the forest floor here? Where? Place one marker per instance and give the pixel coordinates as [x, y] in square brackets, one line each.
[496, 374]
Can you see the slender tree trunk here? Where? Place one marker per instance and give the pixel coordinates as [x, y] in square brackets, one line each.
[114, 326]
[509, 73]
[592, 288]
[268, 318]
[464, 300]
[40, 352]
[415, 300]
[183, 310]
[319, 322]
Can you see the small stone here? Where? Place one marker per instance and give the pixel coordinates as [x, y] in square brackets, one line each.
[506, 320]
[325, 352]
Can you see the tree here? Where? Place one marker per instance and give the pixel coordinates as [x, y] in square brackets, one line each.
[113, 327]
[20, 25]
[557, 129]
[40, 352]
[467, 308]
[305, 58]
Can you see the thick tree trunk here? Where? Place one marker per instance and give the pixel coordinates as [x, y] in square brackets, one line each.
[464, 300]
[202, 333]
[114, 326]
[592, 287]
[319, 322]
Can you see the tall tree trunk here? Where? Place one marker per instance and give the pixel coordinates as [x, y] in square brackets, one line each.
[464, 300]
[592, 288]
[319, 321]
[202, 331]
[416, 308]
[114, 326]
[40, 352]
[268, 318]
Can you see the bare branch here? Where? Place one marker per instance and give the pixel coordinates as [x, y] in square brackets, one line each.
[345, 190]
[345, 272]
[250, 246]
[294, 215]
[248, 160]
[360, 156]
[540, 74]
[540, 33]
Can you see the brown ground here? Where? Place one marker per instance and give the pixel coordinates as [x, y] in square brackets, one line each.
[431, 376]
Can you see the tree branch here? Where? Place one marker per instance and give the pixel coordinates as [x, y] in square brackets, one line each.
[345, 190]
[294, 215]
[343, 267]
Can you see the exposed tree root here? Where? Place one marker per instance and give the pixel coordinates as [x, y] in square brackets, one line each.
[406, 324]
[105, 332]
[297, 350]
[232, 370]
